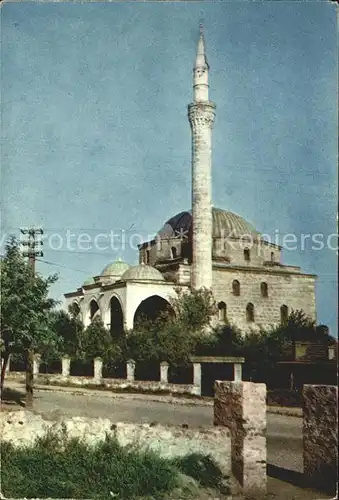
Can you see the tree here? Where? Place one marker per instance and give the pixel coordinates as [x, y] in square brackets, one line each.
[96, 341]
[69, 329]
[194, 309]
[25, 308]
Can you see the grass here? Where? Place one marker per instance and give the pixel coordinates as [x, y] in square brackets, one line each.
[59, 467]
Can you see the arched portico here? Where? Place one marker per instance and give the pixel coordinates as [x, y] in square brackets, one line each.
[151, 308]
[93, 309]
[116, 317]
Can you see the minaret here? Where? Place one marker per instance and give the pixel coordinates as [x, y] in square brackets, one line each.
[201, 114]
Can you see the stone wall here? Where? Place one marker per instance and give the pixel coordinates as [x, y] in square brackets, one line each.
[112, 384]
[320, 435]
[296, 291]
[115, 384]
[22, 428]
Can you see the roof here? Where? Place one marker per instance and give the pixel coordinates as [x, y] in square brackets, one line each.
[225, 224]
[116, 268]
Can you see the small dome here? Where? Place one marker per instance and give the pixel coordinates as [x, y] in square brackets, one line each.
[89, 281]
[116, 268]
[142, 272]
[224, 224]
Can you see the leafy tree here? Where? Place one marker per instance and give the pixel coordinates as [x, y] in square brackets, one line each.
[25, 308]
[194, 309]
[69, 329]
[96, 341]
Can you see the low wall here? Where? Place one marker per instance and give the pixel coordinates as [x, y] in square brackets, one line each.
[22, 428]
[112, 384]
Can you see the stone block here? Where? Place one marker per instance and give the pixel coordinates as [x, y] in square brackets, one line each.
[320, 436]
[241, 407]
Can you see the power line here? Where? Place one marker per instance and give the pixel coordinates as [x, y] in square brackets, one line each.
[63, 266]
[84, 252]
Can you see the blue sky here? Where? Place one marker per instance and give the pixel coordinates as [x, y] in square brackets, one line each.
[95, 136]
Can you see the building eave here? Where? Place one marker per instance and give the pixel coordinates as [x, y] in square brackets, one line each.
[260, 270]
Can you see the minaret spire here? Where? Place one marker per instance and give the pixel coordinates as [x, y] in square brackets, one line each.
[200, 71]
[201, 114]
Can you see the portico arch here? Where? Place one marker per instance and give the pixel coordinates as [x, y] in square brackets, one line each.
[94, 310]
[116, 317]
[151, 308]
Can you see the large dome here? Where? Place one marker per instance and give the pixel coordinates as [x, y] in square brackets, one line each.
[116, 268]
[224, 224]
[142, 272]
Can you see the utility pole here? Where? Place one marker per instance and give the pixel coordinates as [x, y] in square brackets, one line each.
[30, 249]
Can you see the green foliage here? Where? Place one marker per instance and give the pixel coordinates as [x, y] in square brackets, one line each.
[60, 468]
[25, 305]
[69, 330]
[96, 341]
[194, 309]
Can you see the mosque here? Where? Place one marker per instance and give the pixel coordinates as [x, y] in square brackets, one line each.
[205, 247]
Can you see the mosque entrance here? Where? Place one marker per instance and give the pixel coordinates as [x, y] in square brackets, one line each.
[151, 309]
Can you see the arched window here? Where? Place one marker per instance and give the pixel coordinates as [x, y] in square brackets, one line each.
[222, 311]
[247, 254]
[283, 314]
[236, 288]
[174, 252]
[250, 313]
[272, 257]
[147, 256]
[264, 289]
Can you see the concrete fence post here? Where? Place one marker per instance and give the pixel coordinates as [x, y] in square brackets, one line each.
[36, 364]
[320, 436]
[98, 370]
[241, 406]
[66, 366]
[197, 378]
[8, 367]
[237, 367]
[164, 372]
[130, 370]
